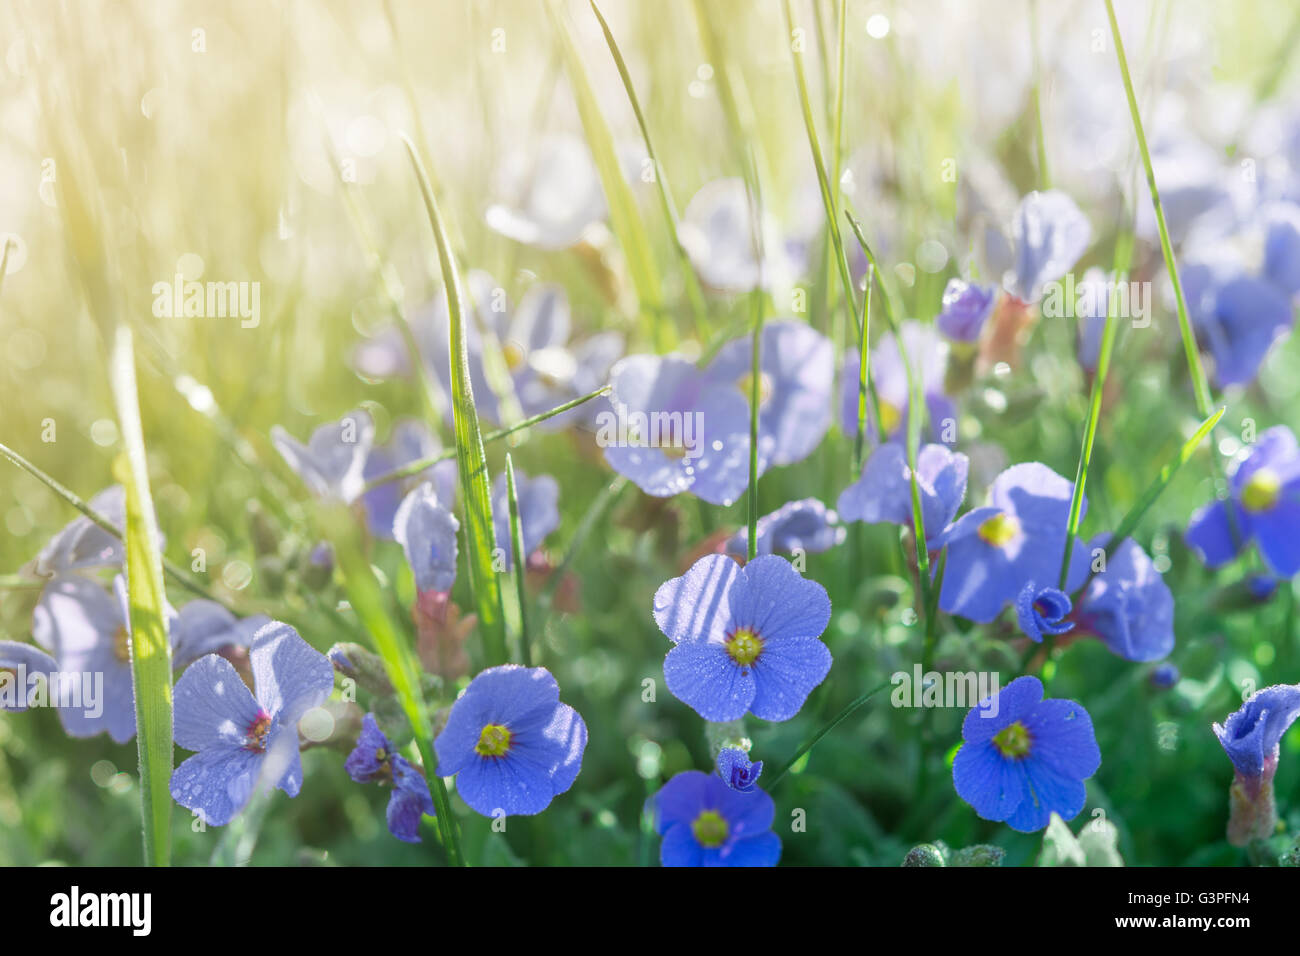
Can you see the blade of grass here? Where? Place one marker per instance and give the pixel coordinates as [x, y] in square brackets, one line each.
[517, 543]
[368, 601]
[812, 741]
[470, 457]
[1123, 256]
[758, 298]
[624, 216]
[1200, 385]
[694, 293]
[151, 666]
[415, 467]
[1036, 99]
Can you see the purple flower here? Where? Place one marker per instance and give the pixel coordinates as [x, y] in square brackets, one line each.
[795, 387]
[83, 544]
[1026, 758]
[553, 194]
[706, 823]
[511, 744]
[427, 533]
[1042, 611]
[1263, 506]
[747, 639]
[538, 512]
[966, 307]
[1238, 318]
[1050, 235]
[674, 431]
[928, 353]
[805, 525]
[19, 684]
[884, 492]
[1252, 737]
[737, 771]
[332, 463]
[1128, 605]
[242, 741]
[1282, 248]
[410, 441]
[373, 759]
[994, 550]
[204, 627]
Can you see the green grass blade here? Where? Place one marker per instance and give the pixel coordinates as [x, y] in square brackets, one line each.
[1123, 256]
[694, 293]
[624, 216]
[1036, 99]
[755, 378]
[812, 741]
[517, 543]
[1200, 385]
[415, 467]
[368, 601]
[151, 665]
[470, 457]
[864, 364]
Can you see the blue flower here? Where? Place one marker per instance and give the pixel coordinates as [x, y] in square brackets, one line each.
[966, 307]
[245, 742]
[747, 638]
[554, 194]
[1165, 676]
[1128, 605]
[928, 353]
[1263, 506]
[717, 232]
[795, 386]
[20, 665]
[539, 513]
[994, 550]
[1238, 317]
[805, 525]
[706, 823]
[1026, 758]
[1252, 739]
[884, 492]
[204, 627]
[510, 743]
[737, 771]
[1094, 297]
[1282, 247]
[682, 433]
[373, 759]
[1050, 234]
[427, 533]
[82, 544]
[1042, 611]
[332, 463]
[410, 441]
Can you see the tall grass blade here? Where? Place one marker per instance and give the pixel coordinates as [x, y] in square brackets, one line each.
[520, 569]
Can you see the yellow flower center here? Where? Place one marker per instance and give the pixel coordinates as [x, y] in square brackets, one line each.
[513, 354]
[255, 736]
[746, 385]
[710, 829]
[494, 741]
[744, 646]
[1000, 529]
[1262, 491]
[891, 416]
[1012, 741]
[122, 644]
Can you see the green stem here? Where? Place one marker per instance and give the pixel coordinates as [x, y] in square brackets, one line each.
[812, 741]
[520, 557]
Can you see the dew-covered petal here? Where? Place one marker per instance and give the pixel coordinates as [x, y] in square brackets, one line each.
[703, 676]
[289, 674]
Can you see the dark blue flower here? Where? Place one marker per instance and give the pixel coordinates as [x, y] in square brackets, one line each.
[805, 525]
[706, 823]
[795, 387]
[426, 530]
[994, 550]
[737, 771]
[748, 639]
[374, 760]
[245, 742]
[1050, 235]
[1025, 758]
[1042, 611]
[1263, 506]
[674, 431]
[510, 743]
[332, 463]
[1128, 605]
[884, 492]
[1165, 675]
[966, 307]
[539, 513]
[1252, 739]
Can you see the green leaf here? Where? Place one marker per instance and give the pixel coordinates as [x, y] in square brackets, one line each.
[470, 457]
[520, 571]
[624, 216]
[151, 666]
